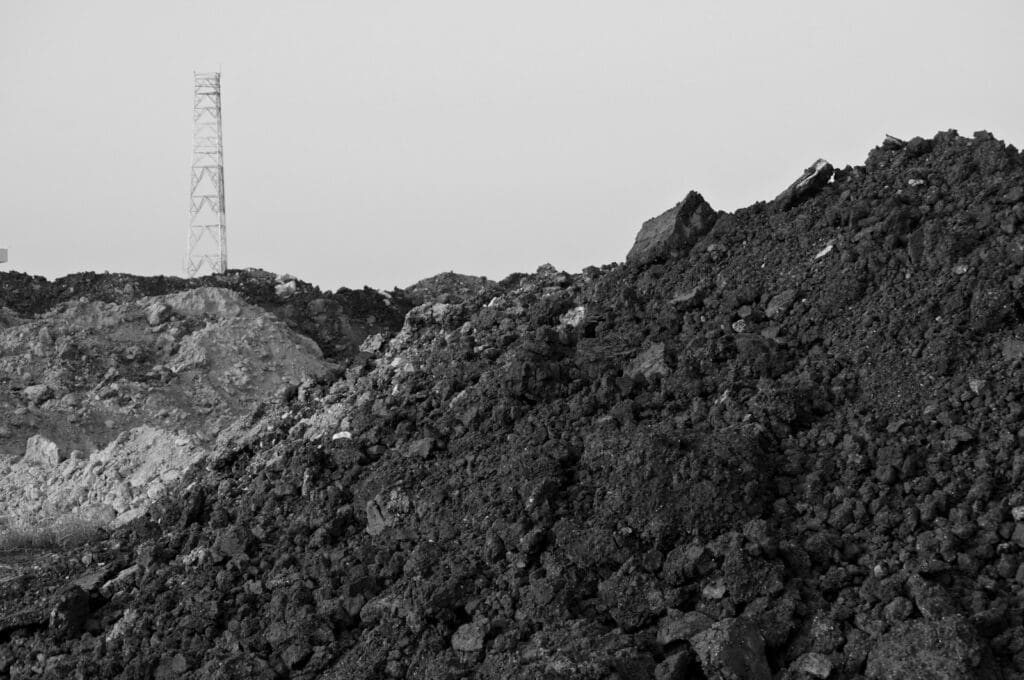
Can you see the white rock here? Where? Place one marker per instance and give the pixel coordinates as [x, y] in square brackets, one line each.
[373, 343]
[37, 394]
[196, 556]
[814, 664]
[41, 450]
[126, 622]
[469, 637]
[157, 313]
[714, 591]
[574, 317]
[286, 289]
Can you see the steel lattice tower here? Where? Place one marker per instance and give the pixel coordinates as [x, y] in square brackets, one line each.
[207, 251]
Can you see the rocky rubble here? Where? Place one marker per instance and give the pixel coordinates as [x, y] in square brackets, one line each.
[109, 402]
[110, 487]
[449, 287]
[337, 321]
[785, 443]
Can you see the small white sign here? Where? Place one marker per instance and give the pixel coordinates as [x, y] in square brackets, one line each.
[3, 254]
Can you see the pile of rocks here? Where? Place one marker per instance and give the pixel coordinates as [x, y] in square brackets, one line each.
[449, 287]
[99, 395]
[779, 443]
[337, 321]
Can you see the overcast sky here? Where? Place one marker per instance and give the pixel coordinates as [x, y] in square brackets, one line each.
[376, 143]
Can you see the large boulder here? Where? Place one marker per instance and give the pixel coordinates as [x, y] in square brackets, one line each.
[674, 231]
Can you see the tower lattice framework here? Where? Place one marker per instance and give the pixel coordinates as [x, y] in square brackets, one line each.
[207, 250]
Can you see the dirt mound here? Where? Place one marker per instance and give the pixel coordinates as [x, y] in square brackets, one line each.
[110, 487]
[97, 392]
[338, 322]
[449, 287]
[784, 442]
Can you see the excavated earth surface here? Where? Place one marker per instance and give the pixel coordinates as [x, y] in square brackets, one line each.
[109, 390]
[338, 322]
[113, 401]
[782, 443]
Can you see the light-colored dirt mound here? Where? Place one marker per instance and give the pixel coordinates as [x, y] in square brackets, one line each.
[112, 486]
[100, 401]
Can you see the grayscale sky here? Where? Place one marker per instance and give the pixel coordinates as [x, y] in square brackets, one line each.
[376, 143]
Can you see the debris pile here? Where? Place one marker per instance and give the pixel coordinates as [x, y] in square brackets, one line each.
[106, 402]
[448, 287]
[783, 442]
[338, 322]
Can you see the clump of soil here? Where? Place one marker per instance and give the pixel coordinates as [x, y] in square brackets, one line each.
[783, 443]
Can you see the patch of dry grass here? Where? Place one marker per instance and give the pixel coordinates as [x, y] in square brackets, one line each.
[58, 534]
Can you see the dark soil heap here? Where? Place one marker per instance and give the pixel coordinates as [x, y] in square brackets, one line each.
[788, 445]
[449, 287]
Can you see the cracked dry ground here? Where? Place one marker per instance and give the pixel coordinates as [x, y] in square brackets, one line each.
[779, 443]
